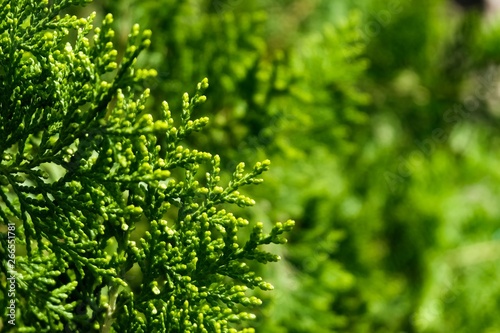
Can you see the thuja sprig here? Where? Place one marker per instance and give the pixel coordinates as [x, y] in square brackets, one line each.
[82, 164]
[194, 254]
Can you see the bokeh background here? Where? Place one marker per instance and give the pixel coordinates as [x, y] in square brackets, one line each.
[381, 119]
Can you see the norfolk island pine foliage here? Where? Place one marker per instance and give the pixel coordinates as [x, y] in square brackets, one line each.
[83, 163]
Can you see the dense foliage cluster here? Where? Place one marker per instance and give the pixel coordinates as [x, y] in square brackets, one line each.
[380, 118]
[100, 193]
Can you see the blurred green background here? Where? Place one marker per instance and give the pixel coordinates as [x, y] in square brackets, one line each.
[381, 121]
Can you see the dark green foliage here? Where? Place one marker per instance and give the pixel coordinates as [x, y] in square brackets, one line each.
[98, 200]
[365, 108]
[381, 120]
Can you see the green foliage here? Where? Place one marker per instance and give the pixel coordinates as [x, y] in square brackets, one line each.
[380, 118]
[364, 107]
[101, 193]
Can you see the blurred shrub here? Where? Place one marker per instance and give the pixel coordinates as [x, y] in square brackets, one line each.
[379, 118]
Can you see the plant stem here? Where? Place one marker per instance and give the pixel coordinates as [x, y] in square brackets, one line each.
[108, 321]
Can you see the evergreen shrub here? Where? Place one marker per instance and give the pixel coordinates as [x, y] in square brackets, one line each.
[117, 226]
